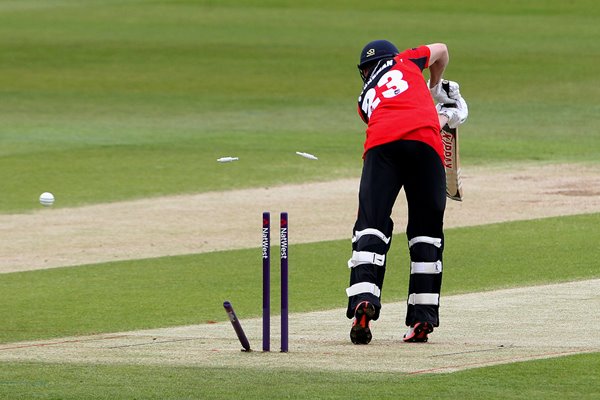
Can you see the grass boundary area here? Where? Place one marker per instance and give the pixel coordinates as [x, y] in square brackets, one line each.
[572, 377]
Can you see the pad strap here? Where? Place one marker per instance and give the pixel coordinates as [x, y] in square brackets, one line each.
[363, 287]
[366, 257]
[426, 267]
[424, 298]
[371, 231]
[437, 242]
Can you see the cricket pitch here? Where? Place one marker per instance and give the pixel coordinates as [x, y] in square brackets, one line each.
[478, 329]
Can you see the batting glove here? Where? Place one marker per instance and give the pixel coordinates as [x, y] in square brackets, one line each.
[456, 114]
[442, 96]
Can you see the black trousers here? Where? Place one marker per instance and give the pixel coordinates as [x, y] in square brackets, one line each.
[416, 167]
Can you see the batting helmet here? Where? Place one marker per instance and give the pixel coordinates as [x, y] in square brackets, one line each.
[373, 51]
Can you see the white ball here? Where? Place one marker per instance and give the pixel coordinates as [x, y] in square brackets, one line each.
[46, 199]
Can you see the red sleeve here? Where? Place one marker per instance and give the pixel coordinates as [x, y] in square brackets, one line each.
[419, 55]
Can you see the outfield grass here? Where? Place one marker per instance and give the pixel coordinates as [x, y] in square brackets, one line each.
[117, 100]
[532, 380]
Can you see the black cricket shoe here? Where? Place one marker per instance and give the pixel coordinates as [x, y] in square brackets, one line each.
[418, 332]
[360, 333]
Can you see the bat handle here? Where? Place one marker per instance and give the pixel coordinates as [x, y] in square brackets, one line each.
[446, 87]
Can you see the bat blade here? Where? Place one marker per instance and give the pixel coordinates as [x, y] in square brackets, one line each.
[454, 189]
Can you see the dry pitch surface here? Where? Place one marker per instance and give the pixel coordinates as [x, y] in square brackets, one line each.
[56, 237]
[477, 329]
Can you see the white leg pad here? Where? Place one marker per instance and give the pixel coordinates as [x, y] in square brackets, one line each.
[371, 231]
[363, 287]
[432, 299]
[437, 242]
[365, 257]
[426, 267]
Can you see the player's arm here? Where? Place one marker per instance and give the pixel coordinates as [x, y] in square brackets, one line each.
[438, 60]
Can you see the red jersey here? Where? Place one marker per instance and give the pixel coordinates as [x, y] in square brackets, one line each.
[396, 103]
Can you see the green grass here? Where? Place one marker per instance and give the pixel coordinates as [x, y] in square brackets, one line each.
[108, 100]
[166, 291]
[151, 93]
[113, 172]
[532, 380]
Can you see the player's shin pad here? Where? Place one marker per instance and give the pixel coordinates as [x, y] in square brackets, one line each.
[454, 188]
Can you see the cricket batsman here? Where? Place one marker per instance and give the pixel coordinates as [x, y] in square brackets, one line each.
[403, 149]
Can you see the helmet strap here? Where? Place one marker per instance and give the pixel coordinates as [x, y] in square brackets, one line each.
[365, 77]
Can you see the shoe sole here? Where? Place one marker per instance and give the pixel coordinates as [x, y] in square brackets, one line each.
[360, 333]
[420, 333]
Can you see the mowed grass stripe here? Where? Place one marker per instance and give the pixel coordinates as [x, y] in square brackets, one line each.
[531, 380]
[190, 289]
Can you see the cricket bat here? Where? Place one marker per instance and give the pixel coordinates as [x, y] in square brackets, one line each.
[454, 188]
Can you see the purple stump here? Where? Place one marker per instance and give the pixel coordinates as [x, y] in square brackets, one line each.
[236, 325]
[283, 237]
[266, 257]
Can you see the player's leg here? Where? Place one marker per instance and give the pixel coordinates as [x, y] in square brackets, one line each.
[425, 190]
[371, 239]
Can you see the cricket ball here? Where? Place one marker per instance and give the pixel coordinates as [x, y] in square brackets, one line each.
[46, 199]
